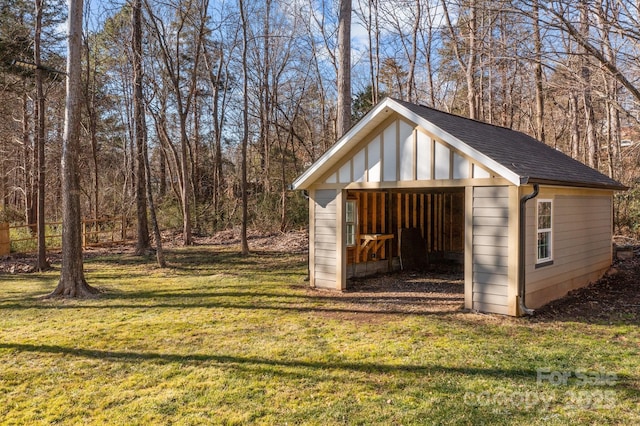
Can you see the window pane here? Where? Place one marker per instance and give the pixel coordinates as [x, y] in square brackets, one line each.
[350, 219]
[350, 213]
[544, 245]
[351, 234]
[544, 215]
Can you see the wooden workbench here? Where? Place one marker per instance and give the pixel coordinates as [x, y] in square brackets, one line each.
[370, 243]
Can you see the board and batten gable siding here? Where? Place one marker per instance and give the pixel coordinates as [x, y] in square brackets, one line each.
[490, 249]
[400, 152]
[324, 257]
[581, 243]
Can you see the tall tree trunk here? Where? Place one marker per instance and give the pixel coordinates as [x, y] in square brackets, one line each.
[184, 187]
[372, 33]
[194, 157]
[142, 241]
[537, 45]
[72, 282]
[41, 262]
[585, 73]
[215, 81]
[472, 95]
[343, 115]
[29, 159]
[92, 116]
[245, 128]
[574, 127]
[152, 208]
[265, 100]
[413, 56]
[468, 66]
[611, 89]
[162, 165]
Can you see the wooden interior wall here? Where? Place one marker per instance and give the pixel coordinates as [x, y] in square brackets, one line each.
[438, 215]
[372, 219]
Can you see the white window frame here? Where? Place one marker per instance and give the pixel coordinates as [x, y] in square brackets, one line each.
[548, 231]
[351, 234]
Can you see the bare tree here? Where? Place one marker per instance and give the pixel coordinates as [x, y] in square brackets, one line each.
[41, 263]
[538, 75]
[585, 74]
[72, 282]
[369, 15]
[245, 127]
[343, 116]
[139, 126]
[399, 19]
[468, 62]
[190, 21]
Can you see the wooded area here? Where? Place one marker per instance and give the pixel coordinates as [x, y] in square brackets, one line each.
[204, 112]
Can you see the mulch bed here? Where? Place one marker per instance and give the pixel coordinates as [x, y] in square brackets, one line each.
[613, 298]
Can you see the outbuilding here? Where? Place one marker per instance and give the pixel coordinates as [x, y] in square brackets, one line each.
[411, 186]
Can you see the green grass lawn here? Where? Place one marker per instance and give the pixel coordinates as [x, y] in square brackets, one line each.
[224, 339]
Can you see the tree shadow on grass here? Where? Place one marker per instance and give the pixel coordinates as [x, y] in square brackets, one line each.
[361, 367]
[252, 305]
[258, 363]
[504, 393]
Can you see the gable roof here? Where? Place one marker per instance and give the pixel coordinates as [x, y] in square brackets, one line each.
[515, 156]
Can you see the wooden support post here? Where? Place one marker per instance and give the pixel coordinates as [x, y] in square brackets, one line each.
[365, 213]
[438, 214]
[383, 227]
[374, 213]
[399, 218]
[451, 222]
[422, 215]
[407, 222]
[428, 235]
[415, 211]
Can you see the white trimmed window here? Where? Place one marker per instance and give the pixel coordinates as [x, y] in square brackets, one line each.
[351, 214]
[545, 232]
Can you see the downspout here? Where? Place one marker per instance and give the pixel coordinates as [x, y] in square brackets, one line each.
[522, 253]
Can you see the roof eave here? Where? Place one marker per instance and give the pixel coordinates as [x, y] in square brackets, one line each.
[590, 185]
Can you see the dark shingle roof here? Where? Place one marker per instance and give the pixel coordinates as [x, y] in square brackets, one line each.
[525, 156]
